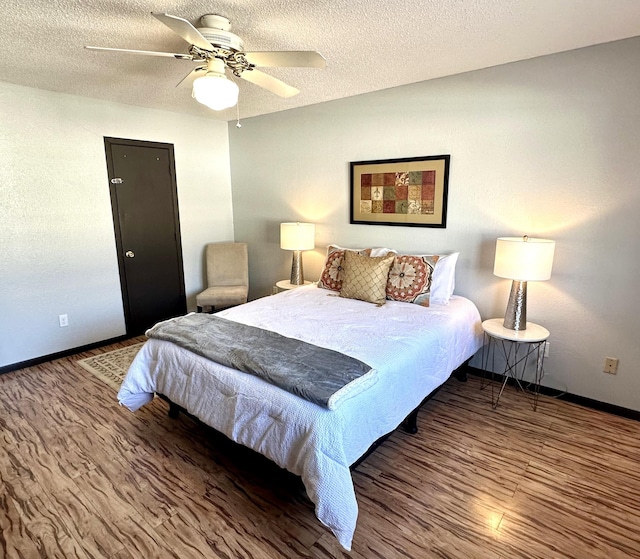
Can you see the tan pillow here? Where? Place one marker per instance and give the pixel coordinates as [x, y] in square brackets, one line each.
[365, 277]
[332, 273]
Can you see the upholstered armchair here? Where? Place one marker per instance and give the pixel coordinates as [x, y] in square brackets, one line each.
[227, 276]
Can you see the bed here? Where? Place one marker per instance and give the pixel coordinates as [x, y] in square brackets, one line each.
[412, 350]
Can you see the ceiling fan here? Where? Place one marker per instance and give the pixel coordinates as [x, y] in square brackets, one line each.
[213, 45]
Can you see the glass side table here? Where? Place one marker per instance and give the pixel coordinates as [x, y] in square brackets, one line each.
[517, 348]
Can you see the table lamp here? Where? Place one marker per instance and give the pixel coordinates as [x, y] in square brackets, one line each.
[521, 260]
[297, 237]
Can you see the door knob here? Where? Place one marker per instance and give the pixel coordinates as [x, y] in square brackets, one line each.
[129, 254]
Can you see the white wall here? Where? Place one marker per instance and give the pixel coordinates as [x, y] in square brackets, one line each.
[546, 147]
[57, 249]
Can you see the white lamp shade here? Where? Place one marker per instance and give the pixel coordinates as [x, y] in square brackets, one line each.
[215, 91]
[524, 259]
[297, 236]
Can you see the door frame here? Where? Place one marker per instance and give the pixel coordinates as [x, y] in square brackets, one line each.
[108, 142]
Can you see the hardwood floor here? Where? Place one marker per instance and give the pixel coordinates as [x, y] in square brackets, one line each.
[83, 477]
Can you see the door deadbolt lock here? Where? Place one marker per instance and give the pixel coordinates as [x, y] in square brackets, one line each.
[129, 254]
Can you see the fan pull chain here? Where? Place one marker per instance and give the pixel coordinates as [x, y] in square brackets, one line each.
[238, 125]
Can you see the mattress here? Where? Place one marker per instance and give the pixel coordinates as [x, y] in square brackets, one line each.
[412, 349]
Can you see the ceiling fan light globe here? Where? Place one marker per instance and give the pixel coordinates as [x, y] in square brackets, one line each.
[215, 91]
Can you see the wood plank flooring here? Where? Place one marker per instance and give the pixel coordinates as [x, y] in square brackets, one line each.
[82, 477]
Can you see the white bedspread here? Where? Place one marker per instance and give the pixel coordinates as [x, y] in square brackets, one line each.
[414, 349]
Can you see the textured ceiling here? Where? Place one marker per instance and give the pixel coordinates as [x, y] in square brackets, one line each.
[369, 44]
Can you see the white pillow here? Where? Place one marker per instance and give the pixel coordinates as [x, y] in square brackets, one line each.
[381, 252]
[444, 279]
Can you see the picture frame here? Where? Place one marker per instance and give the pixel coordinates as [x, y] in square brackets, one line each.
[411, 191]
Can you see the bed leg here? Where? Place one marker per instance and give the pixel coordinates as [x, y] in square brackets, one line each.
[461, 375]
[410, 424]
[174, 410]
[461, 372]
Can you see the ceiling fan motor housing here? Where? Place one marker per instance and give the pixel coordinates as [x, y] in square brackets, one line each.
[215, 29]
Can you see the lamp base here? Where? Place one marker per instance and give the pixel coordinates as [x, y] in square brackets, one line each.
[297, 274]
[515, 318]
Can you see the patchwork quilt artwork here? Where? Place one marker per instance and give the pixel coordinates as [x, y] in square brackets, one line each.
[400, 191]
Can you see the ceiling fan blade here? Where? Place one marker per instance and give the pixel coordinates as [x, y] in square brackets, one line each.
[183, 28]
[191, 76]
[274, 85]
[146, 52]
[293, 58]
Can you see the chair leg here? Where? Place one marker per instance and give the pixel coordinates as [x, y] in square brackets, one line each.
[198, 308]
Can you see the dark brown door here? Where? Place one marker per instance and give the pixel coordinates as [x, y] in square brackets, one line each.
[144, 201]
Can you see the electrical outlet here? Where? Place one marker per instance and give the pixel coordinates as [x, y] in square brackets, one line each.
[64, 320]
[610, 365]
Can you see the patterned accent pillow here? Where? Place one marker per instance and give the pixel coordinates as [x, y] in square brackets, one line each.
[333, 272]
[410, 279]
[365, 277]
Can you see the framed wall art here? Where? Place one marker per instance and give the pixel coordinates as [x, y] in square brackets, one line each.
[410, 191]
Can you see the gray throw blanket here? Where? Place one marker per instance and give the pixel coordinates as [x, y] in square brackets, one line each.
[311, 372]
